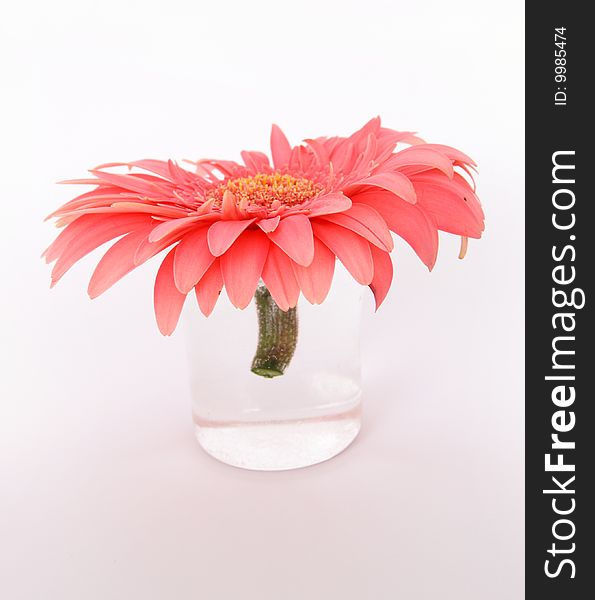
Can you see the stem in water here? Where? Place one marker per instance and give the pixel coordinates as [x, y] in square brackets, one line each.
[277, 335]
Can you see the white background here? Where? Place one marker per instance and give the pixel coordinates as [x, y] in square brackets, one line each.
[104, 492]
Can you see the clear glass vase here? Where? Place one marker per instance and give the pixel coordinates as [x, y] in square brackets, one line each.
[274, 390]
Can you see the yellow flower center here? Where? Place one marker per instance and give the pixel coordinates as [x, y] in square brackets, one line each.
[267, 190]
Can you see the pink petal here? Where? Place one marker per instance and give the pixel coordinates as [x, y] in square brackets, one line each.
[334, 202]
[269, 225]
[385, 144]
[100, 196]
[280, 279]
[409, 221]
[168, 227]
[168, 212]
[180, 175]
[294, 237]
[466, 191]
[371, 127]
[452, 153]
[242, 264]
[116, 262]
[343, 156]
[383, 275]
[192, 259]
[226, 167]
[416, 157]
[396, 183]
[167, 298]
[315, 280]
[280, 148]
[256, 161]
[319, 151]
[412, 139]
[364, 160]
[209, 287]
[229, 207]
[91, 238]
[148, 249]
[107, 227]
[367, 222]
[351, 249]
[83, 181]
[207, 208]
[159, 167]
[223, 234]
[133, 183]
[301, 159]
[452, 205]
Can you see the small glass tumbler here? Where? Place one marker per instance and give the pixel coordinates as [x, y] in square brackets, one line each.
[276, 390]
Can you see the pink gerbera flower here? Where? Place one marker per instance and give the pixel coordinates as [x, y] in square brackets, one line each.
[231, 225]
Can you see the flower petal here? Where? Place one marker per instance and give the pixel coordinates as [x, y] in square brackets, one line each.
[159, 167]
[315, 280]
[351, 249]
[334, 202]
[91, 238]
[116, 262]
[367, 222]
[396, 183]
[229, 207]
[257, 161]
[192, 259]
[223, 234]
[280, 279]
[167, 227]
[319, 151]
[101, 196]
[294, 237]
[209, 287]
[269, 225]
[128, 207]
[343, 156]
[242, 264]
[148, 249]
[361, 135]
[133, 182]
[167, 298]
[452, 153]
[409, 221]
[383, 275]
[106, 227]
[280, 148]
[412, 159]
[452, 204]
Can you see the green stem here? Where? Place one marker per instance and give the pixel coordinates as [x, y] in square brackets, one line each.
[277, 335]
